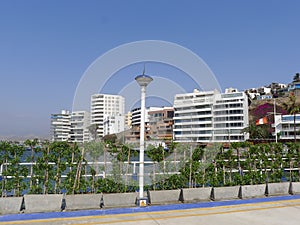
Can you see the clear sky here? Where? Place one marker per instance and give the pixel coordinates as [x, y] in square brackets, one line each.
[46, 46]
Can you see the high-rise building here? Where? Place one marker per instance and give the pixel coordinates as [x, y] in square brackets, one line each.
[193, 116]
[61, 126]
[104, 106]
[210, 116]
[230, 116]
[80, 121]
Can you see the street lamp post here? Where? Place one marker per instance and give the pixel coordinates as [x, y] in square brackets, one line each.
[143, 80]
[275, 129]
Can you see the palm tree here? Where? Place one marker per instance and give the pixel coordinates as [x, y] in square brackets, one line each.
[256, 132]
[47, 167]
[32, 144]
[60, 152]
[292, 108]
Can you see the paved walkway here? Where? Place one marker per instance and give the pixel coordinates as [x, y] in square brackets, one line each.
[273, 210]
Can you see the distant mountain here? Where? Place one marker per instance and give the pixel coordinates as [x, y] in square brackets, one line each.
[22, 138]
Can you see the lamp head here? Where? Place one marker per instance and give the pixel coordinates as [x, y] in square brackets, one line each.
[143, 80]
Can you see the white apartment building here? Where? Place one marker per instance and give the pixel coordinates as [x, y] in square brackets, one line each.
[193, 116]
[61, 126]
[136, 115]
[210, 116]
[80, 121]
[113, 124]
[285, 126]
[104, 105]
[230, 116]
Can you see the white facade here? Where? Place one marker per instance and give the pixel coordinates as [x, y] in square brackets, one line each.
[210, 116]
[113, 124]
[285, 126]
[61, 126]
[103, 105]
[80, 121]
[136, 115]
[230, 117]
[193, 117]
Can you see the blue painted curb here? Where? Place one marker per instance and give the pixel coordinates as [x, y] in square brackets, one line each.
[50, 215]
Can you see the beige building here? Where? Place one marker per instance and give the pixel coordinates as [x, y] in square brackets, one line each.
[161, 124]
[158, 124]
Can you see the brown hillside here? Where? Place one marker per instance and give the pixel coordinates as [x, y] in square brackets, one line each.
[257, 103]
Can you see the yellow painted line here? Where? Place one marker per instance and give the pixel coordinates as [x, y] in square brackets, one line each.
[166, 212]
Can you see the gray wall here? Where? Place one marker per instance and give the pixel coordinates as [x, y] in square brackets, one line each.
[47, 203]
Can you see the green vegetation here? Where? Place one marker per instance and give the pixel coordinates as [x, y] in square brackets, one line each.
[63, 167]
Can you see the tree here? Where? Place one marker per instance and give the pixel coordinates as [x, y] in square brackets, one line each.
[60, 153]
[32, 144]
[48, 168]
[80, 156]
[95, 150]
[292, 108]
[256, 132]
[10, 158]
[296, 78]
[4, 159]
[93, 131]
[111, 138]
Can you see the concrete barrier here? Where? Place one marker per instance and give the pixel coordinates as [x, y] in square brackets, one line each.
[164, 197]
[226, 193]
[278, 188]
[92, 201]
[253, 191]
[120, 199]
[43, 203]
[83, 201]
[296, 187]
[10, 205]
[53, 202]
[196, 194]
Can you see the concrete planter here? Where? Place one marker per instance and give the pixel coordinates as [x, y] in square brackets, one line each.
[296, 187]
[120, 199]
[196, 194]
[53, 202]
[92, 201]
[226, 193]
[43, 203]
[164, 197]
[278, 188]
[10, 205]
[253, 191]
[83, 201]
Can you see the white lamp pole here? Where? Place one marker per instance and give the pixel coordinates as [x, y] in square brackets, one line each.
[275, 130]
[143, 81]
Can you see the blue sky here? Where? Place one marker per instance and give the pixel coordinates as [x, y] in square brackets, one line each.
[46, 46]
